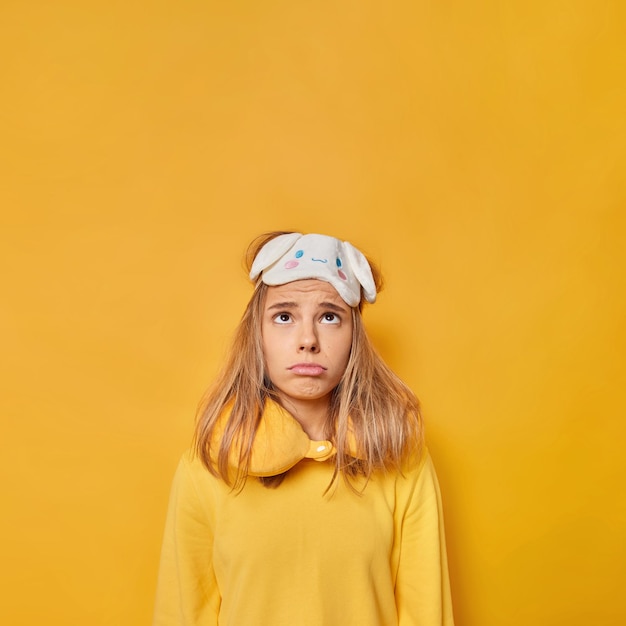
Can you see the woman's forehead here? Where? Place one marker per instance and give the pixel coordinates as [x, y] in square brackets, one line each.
[310, 289]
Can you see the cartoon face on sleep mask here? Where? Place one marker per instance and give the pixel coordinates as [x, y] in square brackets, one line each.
[294, 256]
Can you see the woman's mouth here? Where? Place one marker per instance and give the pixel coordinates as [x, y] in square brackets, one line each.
[307, 369]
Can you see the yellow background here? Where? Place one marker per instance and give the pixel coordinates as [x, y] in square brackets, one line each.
[475, 149]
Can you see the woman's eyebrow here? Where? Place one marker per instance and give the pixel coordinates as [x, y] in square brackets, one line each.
[333, 307]
[283, 305]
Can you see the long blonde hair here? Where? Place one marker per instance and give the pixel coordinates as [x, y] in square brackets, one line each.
[370, 403]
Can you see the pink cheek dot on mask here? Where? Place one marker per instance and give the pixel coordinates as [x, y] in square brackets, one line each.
[342, 275]
[291, 264]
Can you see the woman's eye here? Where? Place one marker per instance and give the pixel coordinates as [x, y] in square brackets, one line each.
[282, 318]
[330, 318]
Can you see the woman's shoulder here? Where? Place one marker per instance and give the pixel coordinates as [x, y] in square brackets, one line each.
[418, 485]
[417, 470]
[192, 474]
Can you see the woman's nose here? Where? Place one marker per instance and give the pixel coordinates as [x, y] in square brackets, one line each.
[309, 347]
[308, 340]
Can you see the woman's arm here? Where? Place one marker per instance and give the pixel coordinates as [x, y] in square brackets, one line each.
[187, 593]
[422, 584]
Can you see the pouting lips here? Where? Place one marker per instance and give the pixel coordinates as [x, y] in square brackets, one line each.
[307, 369]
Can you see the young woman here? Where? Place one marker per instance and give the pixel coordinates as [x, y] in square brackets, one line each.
[308, 498]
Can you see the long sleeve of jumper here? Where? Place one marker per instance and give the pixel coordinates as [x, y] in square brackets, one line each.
[187, 593]
[422, 584]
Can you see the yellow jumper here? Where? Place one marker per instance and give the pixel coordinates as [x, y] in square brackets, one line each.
[296, 556]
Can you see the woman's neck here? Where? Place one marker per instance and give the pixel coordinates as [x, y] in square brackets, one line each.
[310, 414]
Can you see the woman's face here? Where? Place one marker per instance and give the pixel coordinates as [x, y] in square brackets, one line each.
[307, 336]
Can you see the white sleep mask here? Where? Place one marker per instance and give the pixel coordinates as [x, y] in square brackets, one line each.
[297, 257]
